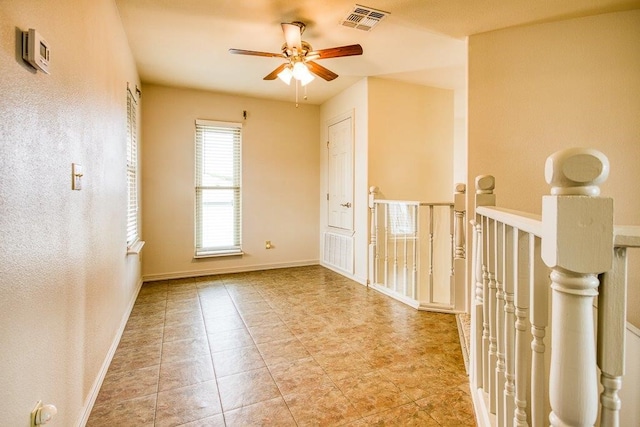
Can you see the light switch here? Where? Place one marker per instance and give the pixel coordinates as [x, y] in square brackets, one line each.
[76, 176]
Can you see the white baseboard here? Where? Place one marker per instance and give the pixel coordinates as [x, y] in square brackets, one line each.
[216, 271]
[463, 345]
[361, 280]
[95, 388]
[406, 300]
[481, 406]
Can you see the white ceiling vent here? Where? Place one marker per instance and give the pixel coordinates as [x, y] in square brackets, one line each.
[363, 18]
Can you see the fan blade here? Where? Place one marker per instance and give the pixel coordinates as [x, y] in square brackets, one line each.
[272, 75]
[255, 53]
[292, 36]
[336, 52]
[320, 71]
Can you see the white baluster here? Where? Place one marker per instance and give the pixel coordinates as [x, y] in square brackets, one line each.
[522, 415]
[405, 264]
[414, 278]
[452, 241]
[486, 306]
[500, 345]
[577, 244]
[538, 316]
[612, 307]
[510, 269]
[386, 245]
[376, 272]
[394, 234]
[373, 237]
[430, 253]
[492, 288]
[477, 303]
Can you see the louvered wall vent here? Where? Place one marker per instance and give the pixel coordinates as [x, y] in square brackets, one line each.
[363, 18]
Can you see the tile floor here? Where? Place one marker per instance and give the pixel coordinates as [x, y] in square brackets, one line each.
[290, 347]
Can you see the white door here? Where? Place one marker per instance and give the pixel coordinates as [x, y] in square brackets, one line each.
[340, 148]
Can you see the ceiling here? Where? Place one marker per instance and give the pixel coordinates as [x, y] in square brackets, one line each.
[185, 43]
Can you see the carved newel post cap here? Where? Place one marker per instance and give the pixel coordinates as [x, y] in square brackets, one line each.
[485, 184]
[576, 171]
[373, 189]
[460, 188]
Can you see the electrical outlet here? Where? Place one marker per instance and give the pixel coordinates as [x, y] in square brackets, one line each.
[34, 412]
[42, 414]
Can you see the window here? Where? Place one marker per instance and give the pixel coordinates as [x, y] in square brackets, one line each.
[218, 188]
[402, 219]
[132, 172]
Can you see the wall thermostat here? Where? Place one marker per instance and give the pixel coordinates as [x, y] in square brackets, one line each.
[35, 50]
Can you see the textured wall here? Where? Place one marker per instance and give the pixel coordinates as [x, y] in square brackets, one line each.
[538, 89]
[411, 141]
[65, 279]
[279, 178]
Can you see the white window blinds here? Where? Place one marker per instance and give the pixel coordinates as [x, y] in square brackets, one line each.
[218, 188]
[132, 171]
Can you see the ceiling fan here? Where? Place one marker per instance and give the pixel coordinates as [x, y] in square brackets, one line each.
[300, 57]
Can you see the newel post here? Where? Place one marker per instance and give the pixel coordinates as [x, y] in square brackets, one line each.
[577, 244]
[459, 246]
[459, 210]
[373, 223]
[484, 186]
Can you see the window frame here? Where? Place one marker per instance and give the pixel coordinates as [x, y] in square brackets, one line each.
[235, 130]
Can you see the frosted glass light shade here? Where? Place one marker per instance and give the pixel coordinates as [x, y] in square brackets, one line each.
[285, 75]
[307, 78]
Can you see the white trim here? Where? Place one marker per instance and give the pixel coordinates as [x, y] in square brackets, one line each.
[406, 300]
[215, 271]
[95, 388]
[136, 247]
[480, 404]
[438, 308]
[351, 115]
[215, 254]
[218, 123]
[350, 276]
[463, 345]
[634, 330]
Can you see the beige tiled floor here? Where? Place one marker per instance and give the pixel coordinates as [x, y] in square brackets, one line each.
[290, 347]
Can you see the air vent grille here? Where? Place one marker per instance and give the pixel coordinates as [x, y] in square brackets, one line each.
[363, 18]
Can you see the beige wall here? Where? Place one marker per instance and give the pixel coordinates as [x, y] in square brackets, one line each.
[403, 143]
[410, 141]
[280, 181]
[66, 283]
[537, 89]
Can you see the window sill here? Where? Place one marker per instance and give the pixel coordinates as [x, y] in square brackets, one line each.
[135, 248]
[214, 254]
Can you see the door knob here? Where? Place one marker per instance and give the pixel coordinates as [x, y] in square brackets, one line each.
[346, 205]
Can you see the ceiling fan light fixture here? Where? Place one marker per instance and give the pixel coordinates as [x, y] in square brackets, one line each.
[285, 75]
[300, 70]
[302, 74]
